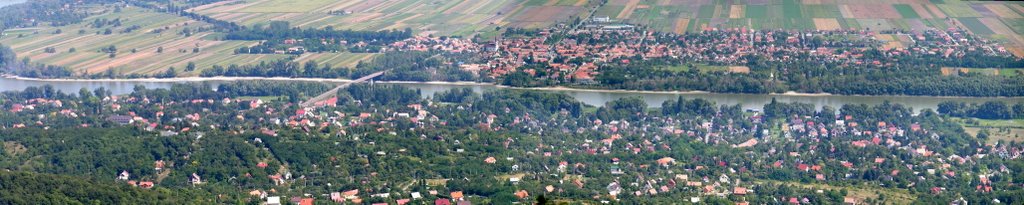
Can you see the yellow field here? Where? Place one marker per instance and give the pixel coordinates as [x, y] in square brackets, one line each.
[826, 24]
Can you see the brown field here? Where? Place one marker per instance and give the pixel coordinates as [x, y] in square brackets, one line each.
[303, 24]
[580, 3]
[681, 25]
[1019, 7]
[921, 11]
[736, 11]
[890, 42]
[873, 11]
[845, 11]
[628, 11]
[739, 69]
[947, 71]
[916, 24]
[827, 24]
[546, 14]
[227, 8]
[466, 4]
[936, 11]
[1002, 11]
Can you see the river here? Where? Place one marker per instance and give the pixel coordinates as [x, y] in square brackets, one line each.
[591, 97]
[4, 3]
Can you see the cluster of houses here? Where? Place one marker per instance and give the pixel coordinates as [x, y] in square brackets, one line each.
[808, 142]
[596, 45]
[428, 43]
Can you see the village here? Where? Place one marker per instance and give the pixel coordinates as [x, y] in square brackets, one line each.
[579, 53]
[609, 159]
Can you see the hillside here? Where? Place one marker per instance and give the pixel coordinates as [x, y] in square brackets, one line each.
[28, 188]
[149, 41]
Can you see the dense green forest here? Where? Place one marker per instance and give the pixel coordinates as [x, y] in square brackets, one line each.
[38, 188]
[279, 35]
[987, 110]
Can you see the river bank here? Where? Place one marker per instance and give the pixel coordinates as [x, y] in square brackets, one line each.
[455, 83]
[596, 97]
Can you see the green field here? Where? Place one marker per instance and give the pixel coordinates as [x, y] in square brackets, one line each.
[792, 9]
[976, 26]
[1017, 25]
[822, 11]
[906, 11]
[286, 6]
[756, 11]
[999, 130]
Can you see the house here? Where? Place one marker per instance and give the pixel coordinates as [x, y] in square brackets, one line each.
[456, 195]
[614, 169]
[402, 201]
[274, 200]
[665, 161]
[306, 201]
[442, 202]
[849, 201]
[146, 184]
[739, 191]
[121, 119]
[522, 194]
[336, 197]
[350, 194]
[194, 179]
[124, 175]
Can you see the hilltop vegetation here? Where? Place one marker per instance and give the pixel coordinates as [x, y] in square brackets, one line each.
[26, 188]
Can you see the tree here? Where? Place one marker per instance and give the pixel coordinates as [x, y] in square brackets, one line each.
[72, 50]
[541, 200]
[190, 67]
[983, 134]
[160, 49]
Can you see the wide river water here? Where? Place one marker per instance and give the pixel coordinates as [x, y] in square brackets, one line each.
[592, 97]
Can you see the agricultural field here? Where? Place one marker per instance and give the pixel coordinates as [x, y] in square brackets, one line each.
[137, 51]
[999, 130]
[458, 18]
[1002, 21]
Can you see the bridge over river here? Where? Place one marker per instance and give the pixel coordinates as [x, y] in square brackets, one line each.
[333, 92]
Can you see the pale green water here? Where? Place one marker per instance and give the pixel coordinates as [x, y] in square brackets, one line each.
[747, 101]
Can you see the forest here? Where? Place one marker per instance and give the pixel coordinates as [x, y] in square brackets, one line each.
[279, 36]
[995, 110]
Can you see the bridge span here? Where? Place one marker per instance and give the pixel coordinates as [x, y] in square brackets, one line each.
[333, 92]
